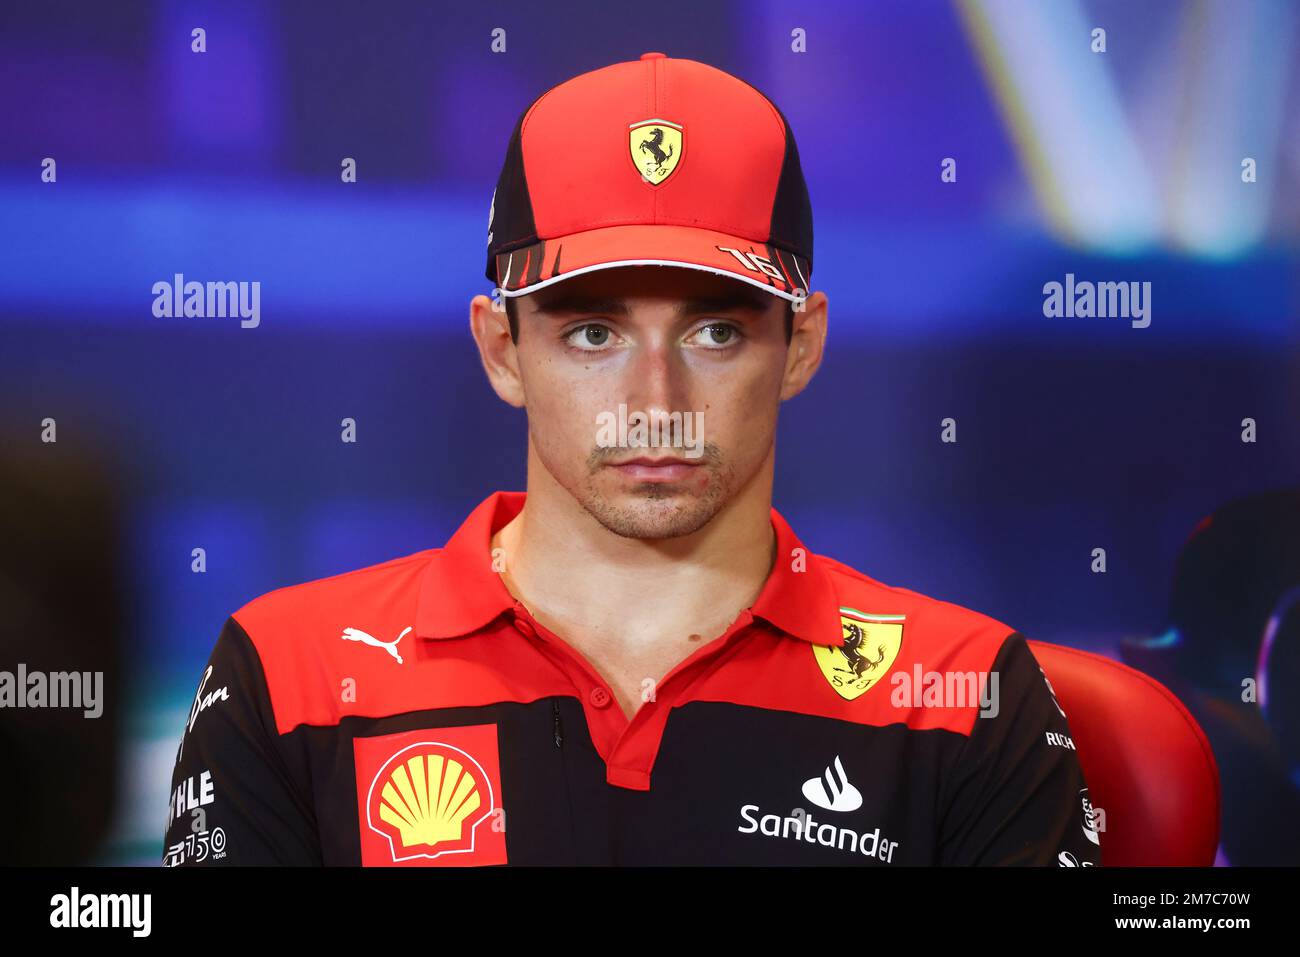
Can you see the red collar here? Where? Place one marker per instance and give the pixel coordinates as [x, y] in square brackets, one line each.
[460, 593]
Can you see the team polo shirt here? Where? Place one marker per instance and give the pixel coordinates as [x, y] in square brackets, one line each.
[413, 713]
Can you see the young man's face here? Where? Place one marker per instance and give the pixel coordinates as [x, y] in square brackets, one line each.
[656, 341]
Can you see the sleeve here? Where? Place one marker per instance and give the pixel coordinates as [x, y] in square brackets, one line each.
[233, 800]
[1017, 794]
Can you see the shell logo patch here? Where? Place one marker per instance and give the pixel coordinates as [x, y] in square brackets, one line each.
[430, 798]
[656, 148]
[871, 643]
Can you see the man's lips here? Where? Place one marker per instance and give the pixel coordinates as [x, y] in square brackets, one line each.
[664, 469]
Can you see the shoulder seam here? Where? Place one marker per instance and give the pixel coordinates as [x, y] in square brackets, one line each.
[852, 572]
[413, 557]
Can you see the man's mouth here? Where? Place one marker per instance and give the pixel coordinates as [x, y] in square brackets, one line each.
[667, 468]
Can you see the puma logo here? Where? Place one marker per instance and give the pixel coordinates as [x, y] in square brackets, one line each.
[356, 634]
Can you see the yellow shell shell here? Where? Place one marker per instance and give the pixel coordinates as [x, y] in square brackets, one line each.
[428, 798]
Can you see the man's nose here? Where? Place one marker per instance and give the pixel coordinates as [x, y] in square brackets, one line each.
[656, 379]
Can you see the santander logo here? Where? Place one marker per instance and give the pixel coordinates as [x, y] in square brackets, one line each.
[832, 791]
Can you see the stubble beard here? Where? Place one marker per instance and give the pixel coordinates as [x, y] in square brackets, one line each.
[655, 510]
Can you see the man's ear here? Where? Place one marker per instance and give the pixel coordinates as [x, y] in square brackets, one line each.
[807, 344]
[490, 327]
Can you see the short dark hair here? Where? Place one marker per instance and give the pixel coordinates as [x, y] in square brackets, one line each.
[512, 312]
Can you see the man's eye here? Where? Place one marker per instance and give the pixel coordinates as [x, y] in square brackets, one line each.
[591, 336]
[715, 334]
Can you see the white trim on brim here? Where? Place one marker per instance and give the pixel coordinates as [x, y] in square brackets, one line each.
[652, 262]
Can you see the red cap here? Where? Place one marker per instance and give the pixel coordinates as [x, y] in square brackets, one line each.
[656, 161]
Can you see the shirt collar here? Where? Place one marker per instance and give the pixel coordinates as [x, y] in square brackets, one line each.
[460, 592]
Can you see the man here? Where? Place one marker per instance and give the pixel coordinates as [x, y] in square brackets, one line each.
[636, 661]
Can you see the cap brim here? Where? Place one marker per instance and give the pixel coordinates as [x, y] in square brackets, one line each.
[549, 261]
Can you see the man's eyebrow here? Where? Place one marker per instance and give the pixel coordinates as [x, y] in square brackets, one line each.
[571, 302]
[577, 303]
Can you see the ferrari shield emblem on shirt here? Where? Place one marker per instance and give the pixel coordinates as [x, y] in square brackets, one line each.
[871, 644]
[656, 147]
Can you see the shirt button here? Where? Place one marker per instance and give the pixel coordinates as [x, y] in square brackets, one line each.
[525, 629]
[599, 697]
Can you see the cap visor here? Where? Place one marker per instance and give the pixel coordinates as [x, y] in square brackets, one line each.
[530, 268]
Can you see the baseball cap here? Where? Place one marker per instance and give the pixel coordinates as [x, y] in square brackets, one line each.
[656, 161]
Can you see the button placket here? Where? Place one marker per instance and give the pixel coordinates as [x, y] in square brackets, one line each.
[618, 730]
[650, 719]
[692, 664]
[598, 696]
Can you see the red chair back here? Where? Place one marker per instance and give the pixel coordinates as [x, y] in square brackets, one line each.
[1148, 764]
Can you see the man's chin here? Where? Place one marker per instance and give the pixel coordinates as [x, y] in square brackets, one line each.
[653, 510]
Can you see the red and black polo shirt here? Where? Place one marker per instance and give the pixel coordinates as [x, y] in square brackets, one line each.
[414, 713]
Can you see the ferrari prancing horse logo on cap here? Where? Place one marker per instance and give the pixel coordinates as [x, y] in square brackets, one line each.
[656, 147]
[871, 644]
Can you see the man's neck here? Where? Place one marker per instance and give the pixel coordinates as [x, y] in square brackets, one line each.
[580, 579]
